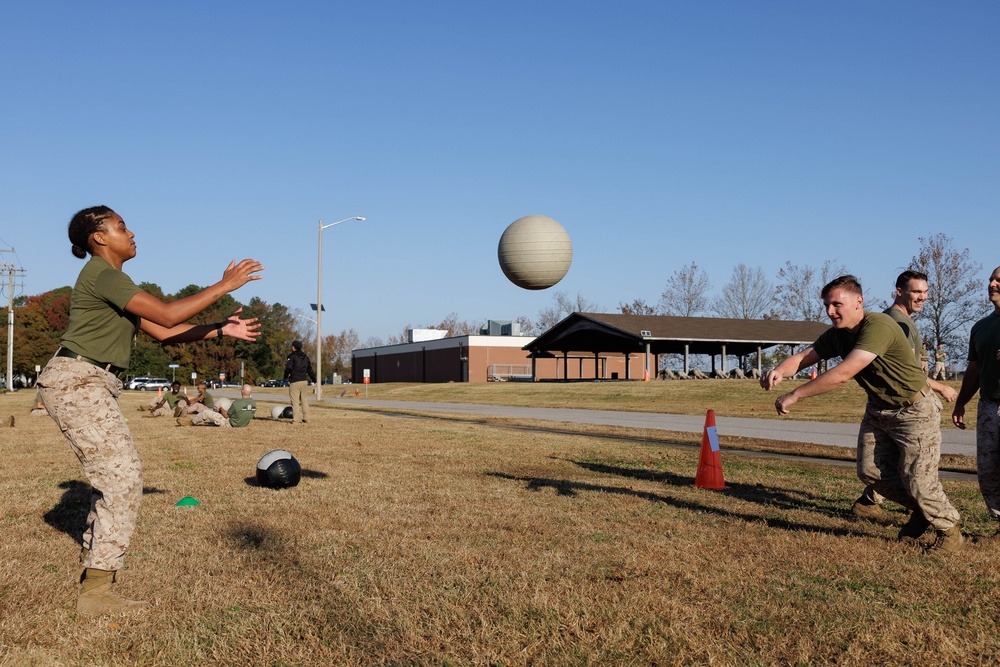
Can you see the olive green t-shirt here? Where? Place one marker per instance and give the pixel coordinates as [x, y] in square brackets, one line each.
[208, 401]
[894, 376]
[99, 327]
[241, 412]
[984, 345]
[172, 399]
[910, 329]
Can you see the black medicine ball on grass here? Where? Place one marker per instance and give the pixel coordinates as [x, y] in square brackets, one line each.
[278, 469]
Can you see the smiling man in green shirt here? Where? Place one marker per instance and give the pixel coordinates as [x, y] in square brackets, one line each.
[902, 421]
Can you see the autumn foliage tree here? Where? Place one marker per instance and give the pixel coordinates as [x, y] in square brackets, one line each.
[41, 320]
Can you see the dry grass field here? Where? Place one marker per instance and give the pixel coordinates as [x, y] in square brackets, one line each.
[438, 541]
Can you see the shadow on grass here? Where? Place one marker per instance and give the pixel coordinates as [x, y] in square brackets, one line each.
[755, 494]
[264, 547]
[69, 515]
[306, 473]
[251, 537]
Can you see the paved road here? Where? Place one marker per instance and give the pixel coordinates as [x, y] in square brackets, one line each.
[820, 433]
[954, 441]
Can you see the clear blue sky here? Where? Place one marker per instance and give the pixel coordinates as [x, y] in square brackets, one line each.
[657, 133]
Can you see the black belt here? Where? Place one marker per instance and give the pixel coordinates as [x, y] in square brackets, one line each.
[70, 354]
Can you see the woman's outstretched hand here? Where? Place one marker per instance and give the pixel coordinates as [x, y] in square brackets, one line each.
[238, 275]
[244, 329]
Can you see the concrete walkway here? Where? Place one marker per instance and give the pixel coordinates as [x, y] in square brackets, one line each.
[954, 441]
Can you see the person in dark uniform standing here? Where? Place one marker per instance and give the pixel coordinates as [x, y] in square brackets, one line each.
[298, 371]
[81, 384]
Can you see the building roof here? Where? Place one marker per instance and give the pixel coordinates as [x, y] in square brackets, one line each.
[665, 334]
[464, 340]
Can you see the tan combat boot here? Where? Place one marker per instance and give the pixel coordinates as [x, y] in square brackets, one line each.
[83, 559]
[913, 529]
[871, 512]
[96, 596]
[948, 541]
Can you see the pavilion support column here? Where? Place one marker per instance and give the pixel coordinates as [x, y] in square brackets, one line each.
[565, 366]
[597, 366]
[648, 373]
[760, 363]
[723, 358]
[687, 358]
[534, 368]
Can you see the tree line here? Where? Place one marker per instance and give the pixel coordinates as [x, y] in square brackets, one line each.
[957, 298]
[41, 320]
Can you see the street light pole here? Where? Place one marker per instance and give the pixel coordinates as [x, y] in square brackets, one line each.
[319, 305]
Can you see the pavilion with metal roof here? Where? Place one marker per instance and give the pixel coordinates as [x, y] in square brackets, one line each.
[653, 335]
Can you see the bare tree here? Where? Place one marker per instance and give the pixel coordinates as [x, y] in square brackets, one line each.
[563, 306]
[400, 338]
[456, 327]
[338, 350]
[748, 295]
[686, 293]
[637, 307]
[797, 293]
[527, 326]
[957, 294]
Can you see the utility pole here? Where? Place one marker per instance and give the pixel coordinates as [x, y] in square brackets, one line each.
[12, 273]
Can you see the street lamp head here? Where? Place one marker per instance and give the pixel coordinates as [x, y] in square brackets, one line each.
[322, 226]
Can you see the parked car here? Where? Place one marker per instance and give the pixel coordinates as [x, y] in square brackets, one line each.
[135, 383]
[213, 384]
[275, 383]
[154, 384]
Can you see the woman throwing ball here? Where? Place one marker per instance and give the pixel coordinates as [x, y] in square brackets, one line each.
[81, 383]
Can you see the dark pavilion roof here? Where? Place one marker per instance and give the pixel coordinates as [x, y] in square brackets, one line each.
[665, 334]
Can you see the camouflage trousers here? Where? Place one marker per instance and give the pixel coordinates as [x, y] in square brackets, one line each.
[82, 399]
[207, 416]
[166, 410]
[988, 454]
[898, 454]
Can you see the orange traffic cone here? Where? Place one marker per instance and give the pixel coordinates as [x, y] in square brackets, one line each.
[645, 375]
[710, 461]
[813, 375]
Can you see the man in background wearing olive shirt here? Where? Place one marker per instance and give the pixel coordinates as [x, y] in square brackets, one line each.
[983, 375]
